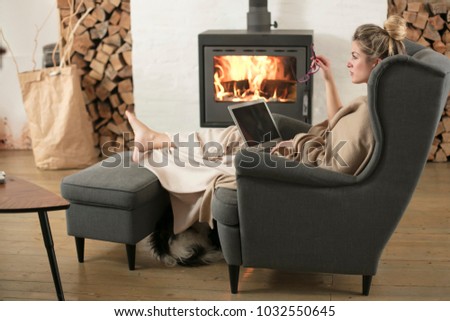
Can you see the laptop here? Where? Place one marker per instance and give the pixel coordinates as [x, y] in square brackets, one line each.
[255, 123]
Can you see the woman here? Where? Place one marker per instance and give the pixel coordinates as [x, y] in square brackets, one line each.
[344, 142]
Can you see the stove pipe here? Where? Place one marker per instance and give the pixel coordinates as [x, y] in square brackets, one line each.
[258, 18]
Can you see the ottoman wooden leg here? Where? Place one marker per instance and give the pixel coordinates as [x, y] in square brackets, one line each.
[79, 242]
[131, 255]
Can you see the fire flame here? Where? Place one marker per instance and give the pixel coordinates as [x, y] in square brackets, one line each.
[245, 78]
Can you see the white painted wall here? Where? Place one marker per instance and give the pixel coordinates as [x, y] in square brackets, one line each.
[165, 57]
[19, 20]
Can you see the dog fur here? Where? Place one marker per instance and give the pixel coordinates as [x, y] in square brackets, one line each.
[196, 246]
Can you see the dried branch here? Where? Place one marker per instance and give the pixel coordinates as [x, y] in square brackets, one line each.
[38, 30]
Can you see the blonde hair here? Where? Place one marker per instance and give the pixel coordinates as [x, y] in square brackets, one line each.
[377, 42]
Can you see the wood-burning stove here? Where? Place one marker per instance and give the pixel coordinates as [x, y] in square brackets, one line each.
[243, 65]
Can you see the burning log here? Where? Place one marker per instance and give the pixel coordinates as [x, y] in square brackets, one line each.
[277, 88]
[102, 51]
[238, 87]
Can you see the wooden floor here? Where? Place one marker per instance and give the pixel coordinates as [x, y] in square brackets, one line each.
[414, 266]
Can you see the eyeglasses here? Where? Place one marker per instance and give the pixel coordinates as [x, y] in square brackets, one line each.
[313, 67]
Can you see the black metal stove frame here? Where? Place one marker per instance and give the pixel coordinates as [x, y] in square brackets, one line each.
[295, 43]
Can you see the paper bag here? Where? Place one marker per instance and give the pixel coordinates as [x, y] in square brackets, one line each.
[60, 128]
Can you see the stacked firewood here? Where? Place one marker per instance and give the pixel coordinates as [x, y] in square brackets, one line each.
[440, 150]
[429, 24]
[102, 51]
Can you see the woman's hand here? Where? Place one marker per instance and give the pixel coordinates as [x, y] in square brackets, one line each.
[284, 148]
[325, 65]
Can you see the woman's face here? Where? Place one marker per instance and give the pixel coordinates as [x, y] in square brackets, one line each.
[359, 65]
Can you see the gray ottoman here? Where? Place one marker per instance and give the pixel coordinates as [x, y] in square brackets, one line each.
[114, 200]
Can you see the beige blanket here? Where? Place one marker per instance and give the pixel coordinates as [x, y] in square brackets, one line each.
[186, 170]
[203, 161]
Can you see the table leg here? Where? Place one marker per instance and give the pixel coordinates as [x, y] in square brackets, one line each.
[48, 241]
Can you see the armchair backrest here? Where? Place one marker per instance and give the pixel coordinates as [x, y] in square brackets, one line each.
[406, 94]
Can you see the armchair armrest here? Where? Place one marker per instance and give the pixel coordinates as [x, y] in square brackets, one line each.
[258, 164]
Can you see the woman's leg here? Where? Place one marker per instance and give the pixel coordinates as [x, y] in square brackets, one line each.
[145, 138]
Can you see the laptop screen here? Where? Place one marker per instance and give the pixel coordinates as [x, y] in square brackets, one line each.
[255, 122]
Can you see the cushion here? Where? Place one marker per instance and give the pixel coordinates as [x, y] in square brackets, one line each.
[115, 182]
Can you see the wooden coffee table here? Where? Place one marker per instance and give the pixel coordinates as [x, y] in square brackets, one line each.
[20, 196]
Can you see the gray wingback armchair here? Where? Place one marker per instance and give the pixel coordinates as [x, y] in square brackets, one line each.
[291, 217]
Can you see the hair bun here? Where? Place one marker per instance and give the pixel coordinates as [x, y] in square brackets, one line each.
[396, 27]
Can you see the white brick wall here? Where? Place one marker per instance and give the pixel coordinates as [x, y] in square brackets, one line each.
[165, 57]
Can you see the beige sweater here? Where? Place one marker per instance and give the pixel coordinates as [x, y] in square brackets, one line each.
[344, 144]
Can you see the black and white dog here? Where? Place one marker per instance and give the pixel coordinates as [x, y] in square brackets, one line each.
[198, 245]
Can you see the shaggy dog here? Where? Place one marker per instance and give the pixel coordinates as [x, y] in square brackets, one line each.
[198, 245]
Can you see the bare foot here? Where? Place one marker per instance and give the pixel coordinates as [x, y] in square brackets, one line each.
[145, 138]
